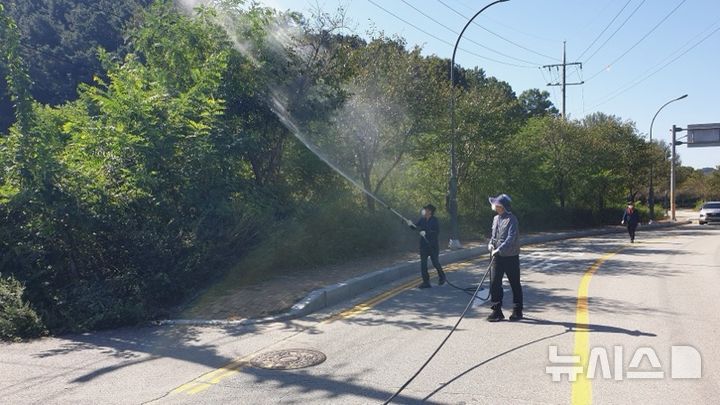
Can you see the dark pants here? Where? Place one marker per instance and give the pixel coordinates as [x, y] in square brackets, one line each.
[631, 231]
[509, 266]
[433, 255]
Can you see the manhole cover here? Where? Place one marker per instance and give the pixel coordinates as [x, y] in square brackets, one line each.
[288, 359]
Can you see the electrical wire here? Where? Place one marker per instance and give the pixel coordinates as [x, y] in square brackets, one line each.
[498, 35]
[468, 39]
[640, 40]
[604, 29]
[616, 31]
[444, 41]
[645, 77]
[510, 27]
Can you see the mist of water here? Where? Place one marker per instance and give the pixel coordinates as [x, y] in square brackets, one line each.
[285, 117]
[282, 36]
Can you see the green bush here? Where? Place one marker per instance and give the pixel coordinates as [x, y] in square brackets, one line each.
[328, 234]
[17, 319]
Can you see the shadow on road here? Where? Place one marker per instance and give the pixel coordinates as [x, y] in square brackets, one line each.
[414, 309]
[569, 328]
[134, 346]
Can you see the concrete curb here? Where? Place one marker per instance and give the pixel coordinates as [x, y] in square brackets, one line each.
[339, 292]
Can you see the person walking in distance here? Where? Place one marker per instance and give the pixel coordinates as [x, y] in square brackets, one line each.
[504, 247]
[429, 228]
[631, 219]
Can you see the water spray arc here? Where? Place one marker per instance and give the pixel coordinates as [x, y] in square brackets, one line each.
[284, 116]
[279, 109]
[282, 39]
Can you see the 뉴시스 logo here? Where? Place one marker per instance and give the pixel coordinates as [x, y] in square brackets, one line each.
[644, 363]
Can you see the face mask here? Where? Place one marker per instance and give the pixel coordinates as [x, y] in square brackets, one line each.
[422, 212]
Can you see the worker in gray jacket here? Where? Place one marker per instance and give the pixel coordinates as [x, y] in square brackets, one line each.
[504, 247]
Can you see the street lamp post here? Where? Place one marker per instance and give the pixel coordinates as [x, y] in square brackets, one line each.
[651, 192]
[452, 197]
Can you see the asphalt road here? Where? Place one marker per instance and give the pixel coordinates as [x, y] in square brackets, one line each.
[642, 299]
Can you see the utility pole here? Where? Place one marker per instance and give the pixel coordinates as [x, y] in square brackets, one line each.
[563, 78]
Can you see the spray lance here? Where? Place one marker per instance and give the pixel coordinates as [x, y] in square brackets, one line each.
[284, 116]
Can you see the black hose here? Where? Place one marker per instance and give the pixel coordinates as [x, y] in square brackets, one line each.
[467, 290]
[462, 315]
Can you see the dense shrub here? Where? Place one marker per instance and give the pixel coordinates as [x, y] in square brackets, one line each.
[178, 161]
[17, 318]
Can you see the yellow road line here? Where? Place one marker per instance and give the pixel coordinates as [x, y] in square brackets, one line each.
[582, 387]
[212, 377]
[209, 379]
[370, 303]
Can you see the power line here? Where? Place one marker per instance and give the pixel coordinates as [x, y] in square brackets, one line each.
[616, 31]
[468, 39]
[641, 39]
[646, 76]
[604, 29]
[510, 27]
[495, 34]
[442, 40]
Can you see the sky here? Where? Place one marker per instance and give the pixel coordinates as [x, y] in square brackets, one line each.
[636, 54]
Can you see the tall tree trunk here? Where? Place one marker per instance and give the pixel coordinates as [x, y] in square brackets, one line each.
[368, 187]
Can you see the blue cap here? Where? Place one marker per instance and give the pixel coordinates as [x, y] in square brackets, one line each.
[502, 199]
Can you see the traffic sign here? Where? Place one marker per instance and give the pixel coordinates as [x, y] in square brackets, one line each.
[702, 135]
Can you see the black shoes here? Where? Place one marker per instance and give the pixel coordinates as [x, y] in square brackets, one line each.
[425, 284]
[516, 315]
[442, 278]
[496, 315]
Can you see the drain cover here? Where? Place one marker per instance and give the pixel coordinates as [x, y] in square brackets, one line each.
[288, 359]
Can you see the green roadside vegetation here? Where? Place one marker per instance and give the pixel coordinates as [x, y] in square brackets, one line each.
[165, 168]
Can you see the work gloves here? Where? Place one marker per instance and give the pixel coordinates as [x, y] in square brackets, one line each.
[422, 233]
[410, 224]
[492, 250]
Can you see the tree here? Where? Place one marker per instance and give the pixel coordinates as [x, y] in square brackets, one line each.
[621, 155]
[128, 184]
[60, 39]
[537, 103]
[17, 83]
[560, 145]
[390, 95]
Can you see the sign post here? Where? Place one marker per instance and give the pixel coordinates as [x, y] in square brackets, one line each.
[703, 135]
[698, 136]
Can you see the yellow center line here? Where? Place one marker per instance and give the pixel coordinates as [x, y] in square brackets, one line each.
[582, 387]
[370, 303]
[211, 378]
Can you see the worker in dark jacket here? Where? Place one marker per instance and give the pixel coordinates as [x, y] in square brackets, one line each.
[504, 247]
[429, 228]
[631, 219]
